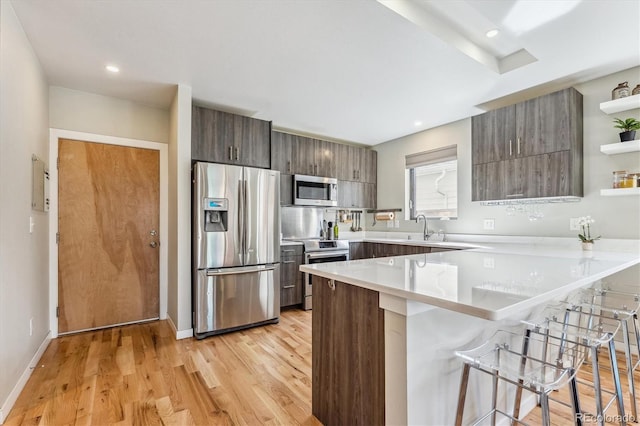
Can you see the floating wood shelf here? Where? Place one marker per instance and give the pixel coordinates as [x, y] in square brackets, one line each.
[622, 104]
[621, 147]
[619, 192]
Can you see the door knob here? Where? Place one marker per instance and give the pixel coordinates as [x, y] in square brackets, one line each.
[153, 244]
[153, 233]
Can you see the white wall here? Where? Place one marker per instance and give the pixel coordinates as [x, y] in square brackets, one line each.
[617, 217]
[179, 308]
[24, 278]
[104, 115]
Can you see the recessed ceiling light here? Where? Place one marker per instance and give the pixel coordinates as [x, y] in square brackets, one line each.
[417, 123]
[112, 68]
[492, 33]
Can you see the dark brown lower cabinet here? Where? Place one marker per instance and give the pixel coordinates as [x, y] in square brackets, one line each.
[386, 250]
[290, 275]
[347, 354]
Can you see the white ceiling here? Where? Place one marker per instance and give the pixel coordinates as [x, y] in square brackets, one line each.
[350, 70]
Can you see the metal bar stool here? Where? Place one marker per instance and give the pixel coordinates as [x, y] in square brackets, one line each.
[564, 336]
[589, 332]
[509, 357]
[622, 306]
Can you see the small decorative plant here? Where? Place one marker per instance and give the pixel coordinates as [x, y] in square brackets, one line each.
[628, 127]
[585, 223]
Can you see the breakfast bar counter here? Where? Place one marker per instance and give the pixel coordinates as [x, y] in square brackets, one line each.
[398, 365]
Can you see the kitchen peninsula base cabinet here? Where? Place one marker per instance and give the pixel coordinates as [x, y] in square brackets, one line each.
[385, 330]
[347, 354]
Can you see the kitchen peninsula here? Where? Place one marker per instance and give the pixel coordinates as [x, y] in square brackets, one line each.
[385, 329]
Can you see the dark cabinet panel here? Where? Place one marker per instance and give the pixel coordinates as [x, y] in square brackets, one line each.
[286, 190]
[357, 194]
[541, 156]
[347, 354]
[290, 275]
[488, 181]
[493, 135]
[221, 137]
[372, 250]
[282, 152]
[356, 251]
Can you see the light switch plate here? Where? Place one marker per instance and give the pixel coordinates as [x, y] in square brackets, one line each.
[32, 224]
[489, 224]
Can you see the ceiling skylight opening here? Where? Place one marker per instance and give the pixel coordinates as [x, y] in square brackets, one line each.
[526, 15]
[112, 68]
[492, 33]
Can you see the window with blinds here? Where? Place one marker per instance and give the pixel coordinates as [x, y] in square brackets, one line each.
[433, 183]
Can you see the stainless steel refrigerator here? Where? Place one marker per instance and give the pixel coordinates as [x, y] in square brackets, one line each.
[236, 247]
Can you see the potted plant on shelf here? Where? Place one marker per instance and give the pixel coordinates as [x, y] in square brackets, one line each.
[628, 127]
[587, 241]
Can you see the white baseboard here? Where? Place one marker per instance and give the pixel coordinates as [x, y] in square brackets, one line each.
[7, 405]
[180, 334]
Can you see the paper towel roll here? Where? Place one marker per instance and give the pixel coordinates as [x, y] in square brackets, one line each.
[384, 216]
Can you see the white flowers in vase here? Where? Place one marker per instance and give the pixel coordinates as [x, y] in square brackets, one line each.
[585, 223]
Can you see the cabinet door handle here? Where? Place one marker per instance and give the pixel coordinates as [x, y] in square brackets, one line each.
[518, 146]
[237, 153]
[288, 261]
[230, 153]
[332, 285]
[315, 169]
[354, 174]
[515, 195]
[510, 148]
[358, 174]
[289, 166]
[289, 286]
[288, 251]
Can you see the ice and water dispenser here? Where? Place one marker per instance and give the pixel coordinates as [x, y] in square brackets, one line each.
[215, 214]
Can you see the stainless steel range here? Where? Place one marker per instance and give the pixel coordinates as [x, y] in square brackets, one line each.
[321, 251]
[306, 224]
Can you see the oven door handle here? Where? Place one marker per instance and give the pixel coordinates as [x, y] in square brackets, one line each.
[320, 255]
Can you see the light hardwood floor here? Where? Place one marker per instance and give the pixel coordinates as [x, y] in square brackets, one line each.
[139, 374]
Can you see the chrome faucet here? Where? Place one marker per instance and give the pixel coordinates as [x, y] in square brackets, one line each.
[425, 231]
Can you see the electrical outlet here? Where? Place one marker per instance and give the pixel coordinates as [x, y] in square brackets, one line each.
[31, 327]
[573, 224]
[489, 224]
[489, 262]
[396, 223]
[389, 224]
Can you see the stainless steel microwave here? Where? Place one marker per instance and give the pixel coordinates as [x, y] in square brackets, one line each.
[315, 191]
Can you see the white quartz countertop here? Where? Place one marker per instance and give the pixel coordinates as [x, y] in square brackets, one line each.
[493, 281]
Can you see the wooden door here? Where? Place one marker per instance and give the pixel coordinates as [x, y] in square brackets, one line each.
[107, 256]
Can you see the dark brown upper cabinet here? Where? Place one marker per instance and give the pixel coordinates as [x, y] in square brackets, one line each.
[354, 167]
[529, 150]
[222, 137]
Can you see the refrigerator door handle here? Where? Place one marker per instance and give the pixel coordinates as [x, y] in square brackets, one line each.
[241, 218]
[240, 270]
[245, 219]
